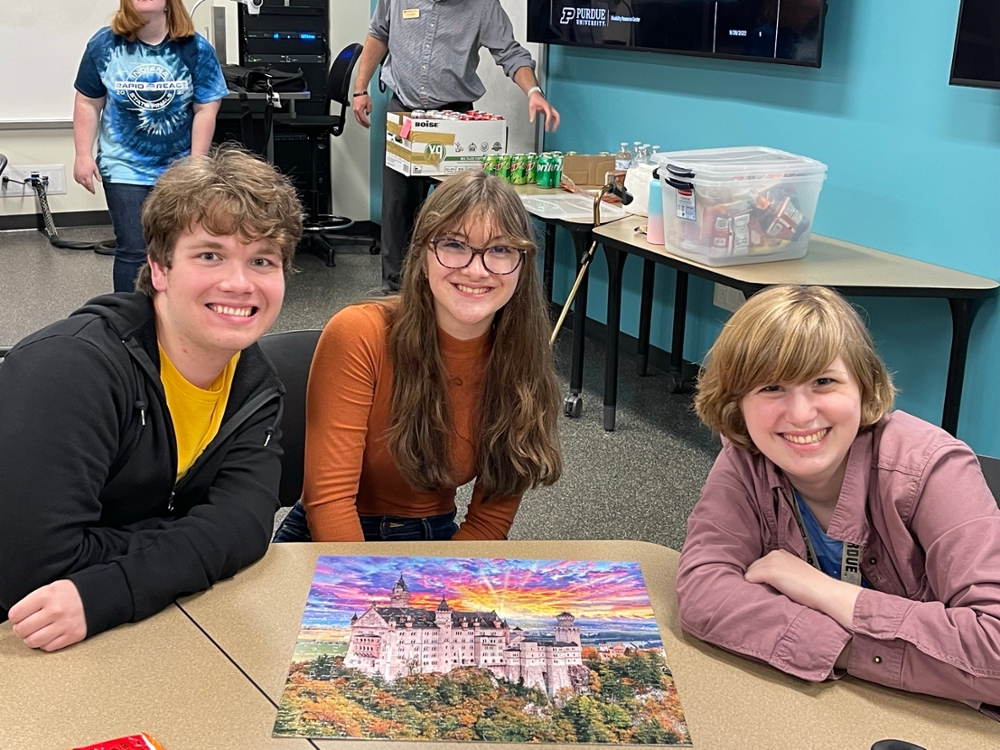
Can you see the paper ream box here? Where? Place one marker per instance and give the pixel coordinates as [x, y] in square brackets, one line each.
[440, 147]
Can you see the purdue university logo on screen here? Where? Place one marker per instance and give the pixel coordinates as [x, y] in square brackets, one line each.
[584, 16]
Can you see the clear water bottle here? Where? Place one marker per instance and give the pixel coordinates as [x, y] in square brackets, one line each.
[654, 152]
[645, 154]
[623, 159]
[641, 155]
[636, 145]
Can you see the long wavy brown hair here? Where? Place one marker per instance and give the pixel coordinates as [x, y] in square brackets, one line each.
[518, 438]
[127, 22]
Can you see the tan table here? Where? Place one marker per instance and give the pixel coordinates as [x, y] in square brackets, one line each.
[729, 702]
[161, 676]
[851, 269]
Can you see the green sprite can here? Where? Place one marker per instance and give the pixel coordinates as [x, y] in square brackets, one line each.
[543, 171]
[518, 173]
[557, 171]
[540, 170]
[531, 169]
[503, 167]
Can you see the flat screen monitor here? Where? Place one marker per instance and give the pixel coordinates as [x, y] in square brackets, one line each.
[977, 45]
[782, 31]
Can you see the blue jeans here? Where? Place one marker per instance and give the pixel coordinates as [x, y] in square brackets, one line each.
[125, 206]
[376, 528]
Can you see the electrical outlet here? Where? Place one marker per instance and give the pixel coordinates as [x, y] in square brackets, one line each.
[728, 298]
[54, 173]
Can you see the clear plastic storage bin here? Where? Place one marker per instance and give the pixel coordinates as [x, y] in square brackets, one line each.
[726, 206]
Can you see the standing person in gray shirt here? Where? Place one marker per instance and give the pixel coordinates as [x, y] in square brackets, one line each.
[433, 52]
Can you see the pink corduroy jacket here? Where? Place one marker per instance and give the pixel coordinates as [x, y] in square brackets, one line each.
[915, 499]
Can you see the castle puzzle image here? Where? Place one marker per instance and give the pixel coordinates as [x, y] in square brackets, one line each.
[477, 649]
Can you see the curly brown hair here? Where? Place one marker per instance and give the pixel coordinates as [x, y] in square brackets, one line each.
[518, 441]
[788, 334]
[228, 192]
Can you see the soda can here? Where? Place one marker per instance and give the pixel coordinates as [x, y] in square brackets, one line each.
[557, 171]
[503, 168]
[542, 171]
[418, 114]
[531, 169]
[518, 171]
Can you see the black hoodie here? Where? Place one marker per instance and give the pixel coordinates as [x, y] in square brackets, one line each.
[88, 460]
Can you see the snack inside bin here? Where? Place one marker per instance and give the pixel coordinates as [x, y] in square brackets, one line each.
[726, 206]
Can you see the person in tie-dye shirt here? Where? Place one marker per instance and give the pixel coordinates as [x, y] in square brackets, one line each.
[148, 90]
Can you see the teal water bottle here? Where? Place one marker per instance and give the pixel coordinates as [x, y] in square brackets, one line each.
[654, 228]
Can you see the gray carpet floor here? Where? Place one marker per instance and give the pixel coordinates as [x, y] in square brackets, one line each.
[639, 482]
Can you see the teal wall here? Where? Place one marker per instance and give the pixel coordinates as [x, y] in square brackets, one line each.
[914, 169]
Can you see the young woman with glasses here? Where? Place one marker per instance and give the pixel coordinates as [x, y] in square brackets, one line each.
[452, 380]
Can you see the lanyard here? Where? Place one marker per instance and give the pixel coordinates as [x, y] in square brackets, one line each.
[850, 558]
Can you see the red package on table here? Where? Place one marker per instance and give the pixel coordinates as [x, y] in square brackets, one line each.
[141, 741]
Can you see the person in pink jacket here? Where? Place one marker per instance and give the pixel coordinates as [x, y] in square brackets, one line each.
[833, 535]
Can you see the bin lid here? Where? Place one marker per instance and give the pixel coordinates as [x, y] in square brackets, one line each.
[739, 163]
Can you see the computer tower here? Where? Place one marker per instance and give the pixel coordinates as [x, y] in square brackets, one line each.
[290, 35]
[293, 156]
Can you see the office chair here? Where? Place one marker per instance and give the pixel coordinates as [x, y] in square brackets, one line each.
[991, 470]
[292, 353]
[319, 231]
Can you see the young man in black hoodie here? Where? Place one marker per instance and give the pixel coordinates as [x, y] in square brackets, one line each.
[139, 456]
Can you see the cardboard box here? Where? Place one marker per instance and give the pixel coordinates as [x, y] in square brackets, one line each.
[440, 147]
[587, 170]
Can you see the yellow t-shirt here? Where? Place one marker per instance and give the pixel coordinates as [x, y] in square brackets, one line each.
[196, 412]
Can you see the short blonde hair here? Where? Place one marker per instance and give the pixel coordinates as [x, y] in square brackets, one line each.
[788, 334]
[127, 22]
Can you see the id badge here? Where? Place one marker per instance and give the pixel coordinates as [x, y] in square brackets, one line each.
[409, 13]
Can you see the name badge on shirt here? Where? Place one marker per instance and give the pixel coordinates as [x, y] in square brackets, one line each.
[411, 13]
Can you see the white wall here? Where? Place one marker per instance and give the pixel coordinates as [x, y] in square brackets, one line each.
[503, 96]
[349, 153]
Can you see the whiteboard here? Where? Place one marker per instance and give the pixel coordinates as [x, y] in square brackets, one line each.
[503, 96]
[42, 44]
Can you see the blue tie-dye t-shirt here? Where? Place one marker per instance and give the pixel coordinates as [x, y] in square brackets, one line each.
[150, 90]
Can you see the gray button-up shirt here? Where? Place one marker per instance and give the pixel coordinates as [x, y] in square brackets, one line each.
[434, 48]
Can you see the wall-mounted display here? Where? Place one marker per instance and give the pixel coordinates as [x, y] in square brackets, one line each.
[782, 31]
[977, 45]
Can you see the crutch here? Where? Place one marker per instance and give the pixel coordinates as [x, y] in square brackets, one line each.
[626, 197]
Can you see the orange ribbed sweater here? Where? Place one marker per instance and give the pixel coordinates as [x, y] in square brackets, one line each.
[349, 471]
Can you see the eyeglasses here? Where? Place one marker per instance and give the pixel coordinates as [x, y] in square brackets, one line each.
[455, 254]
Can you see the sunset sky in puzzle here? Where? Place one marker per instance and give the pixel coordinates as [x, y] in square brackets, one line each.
[529, 593]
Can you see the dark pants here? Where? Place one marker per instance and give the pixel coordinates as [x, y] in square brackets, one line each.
[376, 528]
[402, 197]
[125, 206]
